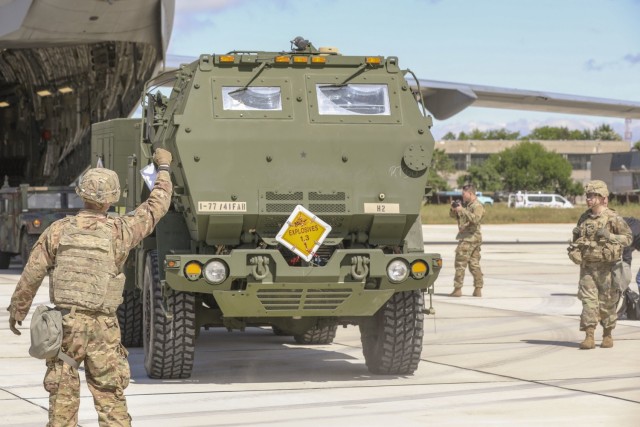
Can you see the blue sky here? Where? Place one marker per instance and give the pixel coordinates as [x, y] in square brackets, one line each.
[578, 47]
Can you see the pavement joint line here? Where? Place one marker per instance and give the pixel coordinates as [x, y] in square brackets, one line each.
[25, 399]
[538, 382]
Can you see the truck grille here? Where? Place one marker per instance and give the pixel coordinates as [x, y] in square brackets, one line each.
[276, 206]
[302, 299]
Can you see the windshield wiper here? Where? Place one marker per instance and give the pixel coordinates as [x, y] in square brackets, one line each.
[255, 74]
[358, 70]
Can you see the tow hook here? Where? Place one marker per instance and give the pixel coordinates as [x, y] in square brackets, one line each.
[260, 268]
[359, 267]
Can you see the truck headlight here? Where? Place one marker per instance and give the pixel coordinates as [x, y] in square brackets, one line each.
[398, 270]
[215, 271]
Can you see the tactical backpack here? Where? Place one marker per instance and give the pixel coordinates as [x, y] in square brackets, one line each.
[630, 309]
[46, 335]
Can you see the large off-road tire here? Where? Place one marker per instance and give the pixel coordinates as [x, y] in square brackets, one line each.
[130, 318]
[392, 340]
[5, 260]
[26, 244]
[169, 330]
[317, 335]
[279, 332]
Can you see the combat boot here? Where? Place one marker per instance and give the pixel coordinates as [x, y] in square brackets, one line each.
[477, 292]
[457, 292]
[589, 341]
[607, 339]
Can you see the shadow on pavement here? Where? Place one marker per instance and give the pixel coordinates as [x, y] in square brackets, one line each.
[556, 343]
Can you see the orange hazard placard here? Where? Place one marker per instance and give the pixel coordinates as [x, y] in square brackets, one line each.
[303, 233]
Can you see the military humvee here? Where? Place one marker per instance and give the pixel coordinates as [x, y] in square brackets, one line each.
[25, 212]
[256, 136]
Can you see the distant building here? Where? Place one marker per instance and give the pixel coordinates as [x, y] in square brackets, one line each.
[621, 171]
[579, 153]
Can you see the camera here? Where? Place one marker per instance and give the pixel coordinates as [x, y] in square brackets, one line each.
[455, 204]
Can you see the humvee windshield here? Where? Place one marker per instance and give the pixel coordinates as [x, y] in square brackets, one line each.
[253, 98]
[351, 99]
[44, 201]
[74, 201]
[54, 200]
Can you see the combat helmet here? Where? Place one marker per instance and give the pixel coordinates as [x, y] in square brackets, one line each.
[99, 185]
[597, 187]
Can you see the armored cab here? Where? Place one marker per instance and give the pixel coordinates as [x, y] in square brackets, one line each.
[26, 211]
[257, 136]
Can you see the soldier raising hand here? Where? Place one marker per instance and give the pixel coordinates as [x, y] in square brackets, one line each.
[83, 256]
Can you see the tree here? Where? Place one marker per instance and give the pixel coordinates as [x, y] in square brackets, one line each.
[636, 146]
[528, 166]
[485, 177]
[606, 133]
[449, 136]
[441, 167]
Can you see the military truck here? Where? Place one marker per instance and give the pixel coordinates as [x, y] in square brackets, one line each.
[255, 136]
[26, 211]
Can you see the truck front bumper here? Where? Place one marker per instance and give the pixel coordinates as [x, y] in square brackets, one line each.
[260, 282]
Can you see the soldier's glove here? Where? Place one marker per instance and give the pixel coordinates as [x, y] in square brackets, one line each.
[603, 233]
[12, 325]
[162, 158]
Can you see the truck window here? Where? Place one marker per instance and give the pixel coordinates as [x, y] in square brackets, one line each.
[235, 98]
[74, 201]
[44, 201]
[353, 99]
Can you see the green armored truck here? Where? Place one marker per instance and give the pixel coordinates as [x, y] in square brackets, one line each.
[26, 211]
[341, 142]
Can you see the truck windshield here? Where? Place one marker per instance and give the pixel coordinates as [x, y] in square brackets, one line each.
[353, 99]
[44, 201]
[74, 201]
[251, 98]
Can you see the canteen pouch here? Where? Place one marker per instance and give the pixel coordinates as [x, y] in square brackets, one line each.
[46, 335]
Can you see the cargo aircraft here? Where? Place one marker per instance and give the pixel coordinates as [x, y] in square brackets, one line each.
[65, 64]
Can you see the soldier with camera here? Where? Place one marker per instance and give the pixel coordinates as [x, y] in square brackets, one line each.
[469, 215]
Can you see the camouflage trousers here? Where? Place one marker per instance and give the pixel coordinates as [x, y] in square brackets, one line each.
[468, 254]
[599, 295]
[95, 340]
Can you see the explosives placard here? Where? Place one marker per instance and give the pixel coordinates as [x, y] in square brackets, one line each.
[303, 233]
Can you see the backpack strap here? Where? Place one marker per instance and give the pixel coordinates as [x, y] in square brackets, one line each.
[63, 356]
[68, 360]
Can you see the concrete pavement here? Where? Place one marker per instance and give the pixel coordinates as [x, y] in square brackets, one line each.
[509, 358]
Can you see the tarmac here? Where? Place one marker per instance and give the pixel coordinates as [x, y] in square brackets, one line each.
[508, 358]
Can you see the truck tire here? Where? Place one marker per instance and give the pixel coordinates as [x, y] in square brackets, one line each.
[26, 244]
[392, 340]
[5, 260]
[279, 332]
[169, 327]
[317, 335]
[130, 318]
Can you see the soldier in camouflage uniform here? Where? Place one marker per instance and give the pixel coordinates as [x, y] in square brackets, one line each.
[83, 256]
[469, 216]
[598, 240]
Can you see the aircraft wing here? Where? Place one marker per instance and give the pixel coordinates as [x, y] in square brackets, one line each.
[446, 99]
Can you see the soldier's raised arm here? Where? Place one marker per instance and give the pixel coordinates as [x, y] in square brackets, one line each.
[139, 223]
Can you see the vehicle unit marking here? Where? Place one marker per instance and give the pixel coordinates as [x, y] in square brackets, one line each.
[382, 208]
[222, 206]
